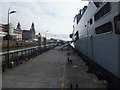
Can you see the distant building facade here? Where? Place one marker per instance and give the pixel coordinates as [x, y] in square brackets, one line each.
[29, 34]
[18, 32]
[3, 31]
[16, 35]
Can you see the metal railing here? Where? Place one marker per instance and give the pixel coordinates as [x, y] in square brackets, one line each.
[17, 57]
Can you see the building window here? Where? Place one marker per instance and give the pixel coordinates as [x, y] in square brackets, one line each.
[117, 24]
[78, 18]
[71, 35]
[104, 28]
[104, 10]
[91, 21]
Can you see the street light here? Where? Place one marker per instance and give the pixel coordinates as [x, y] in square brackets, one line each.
[45, 39]
[46, 34]
[39, 39]
[54, 36]
[12, 12]
[9, 12]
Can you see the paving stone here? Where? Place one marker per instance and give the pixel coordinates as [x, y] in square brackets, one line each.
[50, 70]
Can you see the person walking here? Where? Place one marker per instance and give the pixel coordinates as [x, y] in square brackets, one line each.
[69, 59]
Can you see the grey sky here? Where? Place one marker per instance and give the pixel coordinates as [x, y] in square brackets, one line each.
[56, 17]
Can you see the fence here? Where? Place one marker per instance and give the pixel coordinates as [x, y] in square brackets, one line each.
[17, 57]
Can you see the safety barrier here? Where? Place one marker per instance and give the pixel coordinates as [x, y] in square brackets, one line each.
[17, 57]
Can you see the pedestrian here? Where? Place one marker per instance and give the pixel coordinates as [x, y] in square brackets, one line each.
[69, 59]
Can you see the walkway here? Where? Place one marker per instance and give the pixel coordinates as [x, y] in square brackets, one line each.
[50, 70]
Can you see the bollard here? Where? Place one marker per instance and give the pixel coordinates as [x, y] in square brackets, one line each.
[11, 64]
[70, 86]
[3, 68]
[76, 86]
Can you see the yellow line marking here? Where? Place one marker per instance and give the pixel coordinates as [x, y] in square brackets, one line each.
[62, 85]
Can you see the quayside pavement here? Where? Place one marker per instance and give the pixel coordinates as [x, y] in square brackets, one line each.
[51, 70]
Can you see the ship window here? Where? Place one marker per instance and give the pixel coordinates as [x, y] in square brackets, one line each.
[104, 28]
[71, 35]
[104, 10]
[97, 4]
[78, 18]
[77, 35]
[117, 24]
[91, 21]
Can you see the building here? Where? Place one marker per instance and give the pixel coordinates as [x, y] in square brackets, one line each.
[17, 33]
[29, 34]
[3, 31]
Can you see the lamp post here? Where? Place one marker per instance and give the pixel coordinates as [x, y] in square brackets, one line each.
[39, 39]
[46, 37]
[46, 34]
[54, 36]
[8, 37]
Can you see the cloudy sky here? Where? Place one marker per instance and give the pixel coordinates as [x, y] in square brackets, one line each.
[54, 16]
